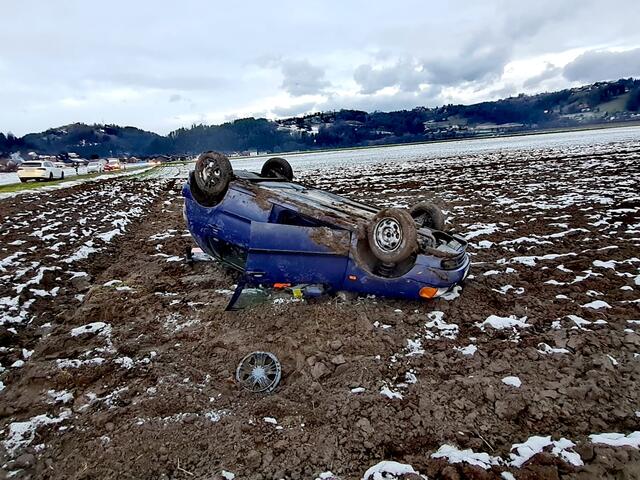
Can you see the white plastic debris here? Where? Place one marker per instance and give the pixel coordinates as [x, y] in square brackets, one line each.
[512, 381]
[387, 392]
[546, 349]
[95, 327]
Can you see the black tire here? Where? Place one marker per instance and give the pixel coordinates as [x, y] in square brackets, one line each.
[427, 214]
[198, 195]
[50, 176]
[23, 180]
[61, 175]
[392, 235]
[212, 175]
[277, 167]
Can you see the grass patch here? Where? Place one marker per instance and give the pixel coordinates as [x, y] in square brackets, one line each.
[618, 104]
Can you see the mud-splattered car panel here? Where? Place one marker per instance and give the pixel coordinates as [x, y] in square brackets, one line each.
[289, 232]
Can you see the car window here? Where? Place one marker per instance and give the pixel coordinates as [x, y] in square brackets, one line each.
[48, 164]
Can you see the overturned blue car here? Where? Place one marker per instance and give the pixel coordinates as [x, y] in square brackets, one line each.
[276, 231]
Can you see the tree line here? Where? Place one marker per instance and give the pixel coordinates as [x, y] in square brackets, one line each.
[343, 128]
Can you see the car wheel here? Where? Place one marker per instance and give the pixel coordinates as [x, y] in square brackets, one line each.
[277, 167]
[198, 195]
[50, 176]
[23, 180]
[427, 214]
[392, 235]
[212, 174]
[61, 175]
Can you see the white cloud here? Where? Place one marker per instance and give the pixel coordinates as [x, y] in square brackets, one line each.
[596, 65]
[196, 60]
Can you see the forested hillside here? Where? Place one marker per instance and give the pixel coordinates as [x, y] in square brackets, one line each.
[599, 103]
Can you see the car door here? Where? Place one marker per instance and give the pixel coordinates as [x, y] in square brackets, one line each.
[295, 254]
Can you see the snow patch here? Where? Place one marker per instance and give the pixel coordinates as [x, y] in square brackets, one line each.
[21, 434]
[534, 445]
[617, 439]
[388, 470]
[500, 323]
[455, 455]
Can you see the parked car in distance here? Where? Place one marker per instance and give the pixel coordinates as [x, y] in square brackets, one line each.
[44, 170]
[95, 167]
[114, 165]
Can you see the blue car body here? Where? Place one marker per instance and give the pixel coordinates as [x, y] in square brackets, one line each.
[278, 231]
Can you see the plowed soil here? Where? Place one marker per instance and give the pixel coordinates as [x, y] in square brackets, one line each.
[145, 388]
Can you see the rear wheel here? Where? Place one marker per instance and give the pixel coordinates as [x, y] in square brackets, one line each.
[277, 167]
[212, 175]
[61, 175]
[23, 180]
[427, 214]
[392, 236]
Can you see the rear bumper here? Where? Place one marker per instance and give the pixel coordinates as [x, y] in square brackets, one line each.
[30, 175]
[407, 285]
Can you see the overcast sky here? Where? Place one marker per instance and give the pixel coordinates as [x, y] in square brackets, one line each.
[163, 64]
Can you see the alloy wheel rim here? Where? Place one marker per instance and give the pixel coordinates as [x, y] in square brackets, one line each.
[259, 372]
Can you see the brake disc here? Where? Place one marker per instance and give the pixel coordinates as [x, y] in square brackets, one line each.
[259, 372]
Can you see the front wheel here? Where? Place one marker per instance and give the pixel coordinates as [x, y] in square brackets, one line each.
[23, 180]
[277, 167]
[50, 176]
[61, 175]
[392, 235]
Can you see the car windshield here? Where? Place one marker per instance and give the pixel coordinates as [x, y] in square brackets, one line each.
[32, 164]
[113, 162]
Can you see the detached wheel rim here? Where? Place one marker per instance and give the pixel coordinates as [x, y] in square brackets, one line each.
[388, 234]
[259, 372]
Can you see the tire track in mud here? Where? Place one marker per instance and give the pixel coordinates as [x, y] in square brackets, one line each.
[364, 379]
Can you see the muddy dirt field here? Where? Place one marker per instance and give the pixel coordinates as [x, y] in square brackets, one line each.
[117, 359]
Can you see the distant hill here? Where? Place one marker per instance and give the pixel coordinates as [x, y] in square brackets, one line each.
[85, 140]
[599, 103]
